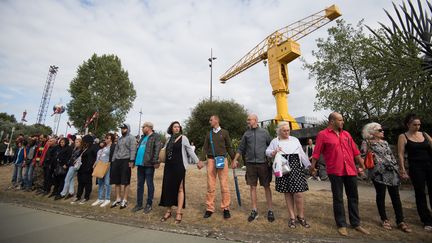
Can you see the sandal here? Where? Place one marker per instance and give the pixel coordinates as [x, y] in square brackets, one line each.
[386, 225]
[291, 223]
[178, 221]
[166, 216]
[404, 227]
[303, 222]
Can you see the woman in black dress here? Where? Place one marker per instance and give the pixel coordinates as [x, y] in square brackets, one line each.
[418, 146]
[178, 150]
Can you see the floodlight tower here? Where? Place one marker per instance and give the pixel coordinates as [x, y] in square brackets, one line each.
[46, 95]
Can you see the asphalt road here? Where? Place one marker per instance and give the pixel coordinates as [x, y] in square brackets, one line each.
[20, 224]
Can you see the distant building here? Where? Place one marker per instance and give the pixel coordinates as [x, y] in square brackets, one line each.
[307, 121]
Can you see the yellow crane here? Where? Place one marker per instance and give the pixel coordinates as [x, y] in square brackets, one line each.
[280, 48]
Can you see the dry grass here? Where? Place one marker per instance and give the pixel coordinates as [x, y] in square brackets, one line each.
[318, 206]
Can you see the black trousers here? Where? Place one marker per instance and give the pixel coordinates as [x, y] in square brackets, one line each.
[58, 184]
[395, 198]
[84, 183]
[337, 185]
[421, 176]
[48, 178]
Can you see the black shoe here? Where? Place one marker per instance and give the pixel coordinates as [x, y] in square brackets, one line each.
[58, 197]
[68, 196]
[147, 209]
[270, 216]
[43, 194]
[115, 203]
[253, 215]
[51, 195]
[207, 214]
[226, 214]
[136, 209]
[123, 204]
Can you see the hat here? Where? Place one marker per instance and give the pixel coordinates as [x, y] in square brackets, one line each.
[88, 139]
[123, 126]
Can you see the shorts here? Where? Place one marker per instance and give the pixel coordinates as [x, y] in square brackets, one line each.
[120, 173]
[263, 172]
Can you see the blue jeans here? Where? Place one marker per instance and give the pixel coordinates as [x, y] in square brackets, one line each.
[104, 183]
[145, 174]
[69, 182]
[28, 176]
[17, 174]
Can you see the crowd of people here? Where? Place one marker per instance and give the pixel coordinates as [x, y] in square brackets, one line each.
[49, 166]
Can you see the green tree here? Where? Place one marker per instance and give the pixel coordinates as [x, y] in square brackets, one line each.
[232, 118]
[101, 85]
[341, 74]
[6, 117]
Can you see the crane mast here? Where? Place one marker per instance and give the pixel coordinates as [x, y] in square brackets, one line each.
[279, 49]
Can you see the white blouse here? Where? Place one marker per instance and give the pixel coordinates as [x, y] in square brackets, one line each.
[289, 146]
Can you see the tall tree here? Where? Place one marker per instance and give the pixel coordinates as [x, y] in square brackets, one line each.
[340, 72]
[102, 86]
[232, 117]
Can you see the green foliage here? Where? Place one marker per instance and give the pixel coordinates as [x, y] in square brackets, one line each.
[5, 117]
[364, 84]
[232, 116]
[101, 85]
[6, 124]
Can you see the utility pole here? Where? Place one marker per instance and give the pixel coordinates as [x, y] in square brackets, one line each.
[211, 59]
[139, 127]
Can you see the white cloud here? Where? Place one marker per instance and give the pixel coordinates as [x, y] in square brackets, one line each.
[164, 45]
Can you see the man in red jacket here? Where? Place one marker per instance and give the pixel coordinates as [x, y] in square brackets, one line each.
[38, 160]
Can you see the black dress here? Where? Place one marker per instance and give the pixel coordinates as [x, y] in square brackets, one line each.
[295, 181]
[174, 174]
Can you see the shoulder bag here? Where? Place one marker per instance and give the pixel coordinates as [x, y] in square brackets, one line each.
[219, 160]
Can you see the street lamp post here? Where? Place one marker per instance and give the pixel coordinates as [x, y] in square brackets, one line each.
[139, 127]
[211, 59]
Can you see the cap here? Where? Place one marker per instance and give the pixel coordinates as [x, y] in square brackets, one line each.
[123, 126]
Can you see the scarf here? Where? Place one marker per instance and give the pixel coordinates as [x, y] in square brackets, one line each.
[170, 145]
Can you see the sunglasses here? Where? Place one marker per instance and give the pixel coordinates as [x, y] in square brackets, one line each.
[380, 130]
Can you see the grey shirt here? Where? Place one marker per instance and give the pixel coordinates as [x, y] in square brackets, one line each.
[254, 144]
[126, 147]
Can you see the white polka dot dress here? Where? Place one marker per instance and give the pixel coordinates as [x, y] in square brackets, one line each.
[295, 181]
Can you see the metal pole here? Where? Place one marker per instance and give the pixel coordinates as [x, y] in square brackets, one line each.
[58, 123]
[139, 126]
[211, 59]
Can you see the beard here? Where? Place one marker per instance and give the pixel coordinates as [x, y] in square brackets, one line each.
[124, 133]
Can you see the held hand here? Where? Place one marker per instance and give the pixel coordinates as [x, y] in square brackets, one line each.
[64, 167]
[156, 166]
[131, 164]
[313, 171]
[361, 172]
[404, 175]
[200, 165]
[234, 164]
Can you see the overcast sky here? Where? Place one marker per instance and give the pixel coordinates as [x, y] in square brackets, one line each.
[164, 45]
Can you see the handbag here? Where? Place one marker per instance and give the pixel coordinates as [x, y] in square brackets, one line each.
[369, 160]
[101, 169]
[77, 163]
[59, 170]
[219, 160]
[162, 155]
[281, 166]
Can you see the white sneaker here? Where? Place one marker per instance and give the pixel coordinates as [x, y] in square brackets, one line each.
[83, 201]
[105, 203]
[75, 201]
[97, 202]
[318, 178]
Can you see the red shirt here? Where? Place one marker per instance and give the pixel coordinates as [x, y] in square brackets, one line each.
[339, 152]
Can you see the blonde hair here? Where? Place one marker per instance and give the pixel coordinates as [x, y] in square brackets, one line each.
[369, 129]
[279, 127]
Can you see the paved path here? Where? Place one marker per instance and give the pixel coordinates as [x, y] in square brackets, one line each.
[20, 224]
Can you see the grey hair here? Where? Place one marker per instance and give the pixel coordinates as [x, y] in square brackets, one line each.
[254, 116]
[369, 129]
[279, 127]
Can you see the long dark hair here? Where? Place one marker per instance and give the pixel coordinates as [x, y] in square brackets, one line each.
[170, 128]
[410, 118]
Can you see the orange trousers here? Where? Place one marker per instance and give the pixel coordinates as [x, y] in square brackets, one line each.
[212, 172]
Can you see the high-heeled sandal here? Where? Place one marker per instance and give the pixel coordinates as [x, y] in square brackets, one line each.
[166, 216]
[178, 221]
[386, 225]
[291, 223]
[404, 227]
[303, 222]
